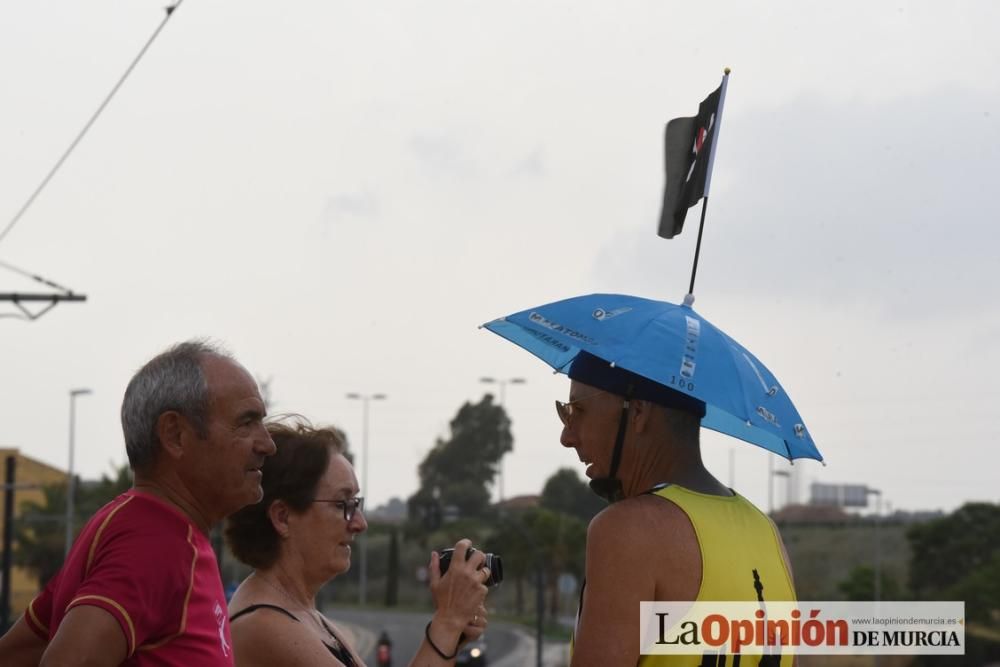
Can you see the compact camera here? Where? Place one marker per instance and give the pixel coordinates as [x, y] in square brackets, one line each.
[493, 562]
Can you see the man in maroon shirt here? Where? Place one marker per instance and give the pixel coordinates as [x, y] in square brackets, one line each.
[141, 585]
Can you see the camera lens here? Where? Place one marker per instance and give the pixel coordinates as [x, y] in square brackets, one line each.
[493, 562]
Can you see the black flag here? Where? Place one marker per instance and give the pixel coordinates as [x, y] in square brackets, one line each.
[688, 149]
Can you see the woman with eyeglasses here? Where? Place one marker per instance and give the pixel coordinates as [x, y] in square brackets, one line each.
[299, 537]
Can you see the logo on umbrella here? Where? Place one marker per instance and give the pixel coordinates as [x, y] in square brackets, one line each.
[690, 347]
[767, 416]
[601, 314]
[554, 326]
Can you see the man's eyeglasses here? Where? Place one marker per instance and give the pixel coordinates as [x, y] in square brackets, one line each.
[566, 410]
[348, 507]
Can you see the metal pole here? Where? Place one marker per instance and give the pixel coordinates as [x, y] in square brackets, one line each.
[71, 482]
[787, 476]
[70, 491]
[363, 588]
[363, 538]
[770, 484]
[8, 540]
[878, 554]
[878, 548]
[540, 613]
[503, 387]
[697, 247]
[503, 395]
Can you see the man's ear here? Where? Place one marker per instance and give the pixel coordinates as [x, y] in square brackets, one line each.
[170, 429]
[641, 411]
[278, 512]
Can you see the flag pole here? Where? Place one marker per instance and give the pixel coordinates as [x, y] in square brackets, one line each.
[708, 184]
[697, 248]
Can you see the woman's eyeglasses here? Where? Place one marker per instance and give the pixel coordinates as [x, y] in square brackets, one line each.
[348, 507]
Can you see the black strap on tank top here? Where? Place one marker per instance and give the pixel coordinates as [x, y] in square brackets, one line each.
[254, 607]
[339, 651]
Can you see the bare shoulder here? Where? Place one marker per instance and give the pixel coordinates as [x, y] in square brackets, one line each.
[632, 534]
[636, 549]
[644, 520]
[268, 636]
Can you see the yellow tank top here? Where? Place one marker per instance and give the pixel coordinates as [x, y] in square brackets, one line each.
[735, 539]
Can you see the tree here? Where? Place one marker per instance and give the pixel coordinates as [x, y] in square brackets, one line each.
[539, 536]
[860, 585]
[562, 540]
[947, 549]
[513, 541]
[458, 472]
[392, 578]
[958, 557]
[565, 492]
[980, 589]
[40, 535]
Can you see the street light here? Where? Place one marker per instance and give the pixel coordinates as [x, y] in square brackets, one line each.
[503, 387]
[878, 549]
[878, 541]
[363, 570]
[70, 491]
[788, 479]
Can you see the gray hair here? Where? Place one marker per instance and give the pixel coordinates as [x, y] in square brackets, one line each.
[172, 380]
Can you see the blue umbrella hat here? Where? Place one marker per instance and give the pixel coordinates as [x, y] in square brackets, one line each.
[665, 353]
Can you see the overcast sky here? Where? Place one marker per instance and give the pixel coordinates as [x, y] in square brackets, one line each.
[341, 192]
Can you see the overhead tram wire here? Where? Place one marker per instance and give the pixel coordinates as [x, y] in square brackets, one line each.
[18, 299]
[35, 277]
[45, 181]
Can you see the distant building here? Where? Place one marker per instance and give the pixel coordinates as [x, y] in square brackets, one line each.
[839, 495]
[918, 516]
[811, 514]
[32, 475]
[518, 503]
[394, 511]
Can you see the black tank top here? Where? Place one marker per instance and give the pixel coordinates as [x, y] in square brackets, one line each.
[339, 651]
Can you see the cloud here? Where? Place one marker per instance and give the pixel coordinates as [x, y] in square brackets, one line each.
[531, 165]
[353, 205]
[443, 153]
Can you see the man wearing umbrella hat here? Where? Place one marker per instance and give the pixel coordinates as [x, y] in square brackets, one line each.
[646, 376]
[674, 532]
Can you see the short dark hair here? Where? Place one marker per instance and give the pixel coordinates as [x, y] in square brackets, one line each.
[172, 380]
[291, 475]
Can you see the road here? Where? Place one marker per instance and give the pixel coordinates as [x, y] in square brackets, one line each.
[507, 645]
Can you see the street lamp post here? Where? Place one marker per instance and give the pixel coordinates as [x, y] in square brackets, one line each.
[878, 550]
[788, 478]
[71, 483]
[878, 542]
[770, 484]
[503, 387]
[363, 568]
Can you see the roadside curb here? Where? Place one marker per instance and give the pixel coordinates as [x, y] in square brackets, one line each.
[554, 654]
